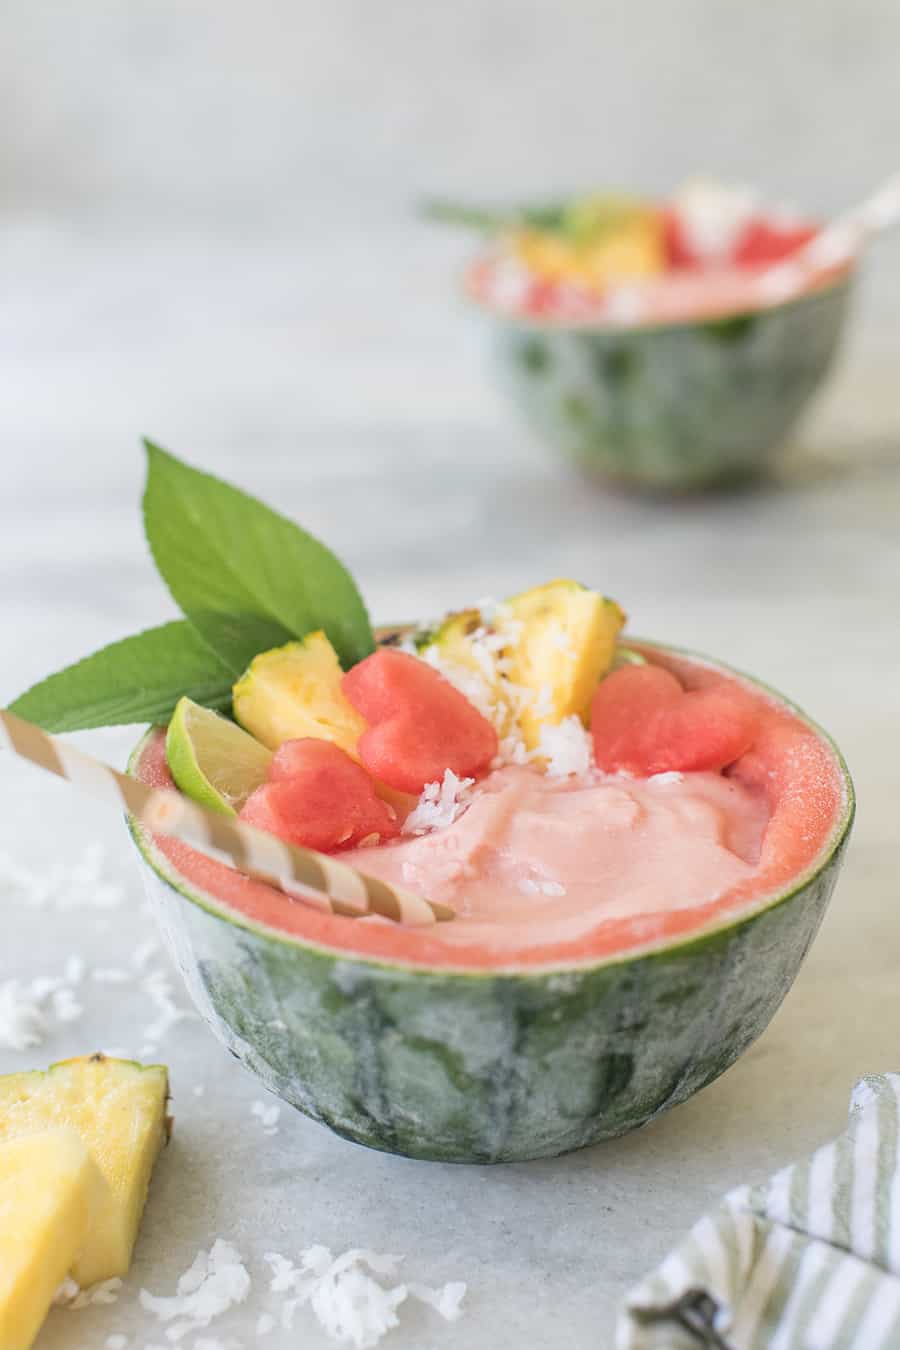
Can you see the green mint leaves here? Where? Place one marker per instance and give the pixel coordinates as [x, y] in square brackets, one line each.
[246, 579]
[137, 680]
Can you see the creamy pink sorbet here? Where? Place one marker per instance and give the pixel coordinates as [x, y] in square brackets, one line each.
[537, 860]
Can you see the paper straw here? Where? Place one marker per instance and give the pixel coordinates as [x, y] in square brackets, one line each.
[301, 872]
[834, 246]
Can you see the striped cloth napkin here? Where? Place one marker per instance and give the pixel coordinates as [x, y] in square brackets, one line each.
[809, 1260]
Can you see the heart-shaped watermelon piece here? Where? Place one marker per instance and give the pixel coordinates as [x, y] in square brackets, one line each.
[419, 724]
[644, 722]
[320, 798]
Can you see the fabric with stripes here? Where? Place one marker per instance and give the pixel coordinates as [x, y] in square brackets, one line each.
[809, 1260]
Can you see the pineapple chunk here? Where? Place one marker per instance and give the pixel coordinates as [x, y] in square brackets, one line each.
[564, 643]
[539, 658]
[295, 691]
[119, 1110]
[601, 240]
[467, 648]
[50, 1189]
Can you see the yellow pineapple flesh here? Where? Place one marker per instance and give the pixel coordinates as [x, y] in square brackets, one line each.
[118, 1108]
[539, 656]
[50, 1190]
[295, 691]
[564, 642]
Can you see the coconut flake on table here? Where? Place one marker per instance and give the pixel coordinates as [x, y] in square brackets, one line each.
[71, 1295]
[214, 1282]
[62, 886]
[439, 805]
[267, 1114]
[22, 1020]
[349, 1303]
[28, 1008]
[158, 985]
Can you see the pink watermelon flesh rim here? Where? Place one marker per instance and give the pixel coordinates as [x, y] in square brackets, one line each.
[477, 278]
[793, 761]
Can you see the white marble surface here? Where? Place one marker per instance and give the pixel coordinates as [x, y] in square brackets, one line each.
[376, 427]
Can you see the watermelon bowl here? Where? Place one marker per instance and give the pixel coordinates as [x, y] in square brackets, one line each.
[396, 1040]
[671, 404]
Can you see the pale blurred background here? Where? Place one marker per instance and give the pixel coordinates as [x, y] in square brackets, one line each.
[207, 235]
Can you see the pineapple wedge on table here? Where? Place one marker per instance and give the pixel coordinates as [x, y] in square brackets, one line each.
[50, 1191]
[118, 1109]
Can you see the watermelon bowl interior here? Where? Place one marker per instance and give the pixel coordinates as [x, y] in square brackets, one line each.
[398, 1041]
[672, 405]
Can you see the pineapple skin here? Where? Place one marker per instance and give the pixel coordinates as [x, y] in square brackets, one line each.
[118, 1107]
[50, 1190]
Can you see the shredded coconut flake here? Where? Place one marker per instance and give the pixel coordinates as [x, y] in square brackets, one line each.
[267, 1113]
[66, 1292]
[447, 1301]
[27, 1010]
[566, 748]
[213, 1283]
[22, 1021]
[158, 985]
[71, 1295]
[439, 805]
[350, 1304]
[61, 887]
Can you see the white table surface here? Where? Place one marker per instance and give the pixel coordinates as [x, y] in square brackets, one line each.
[377, 428]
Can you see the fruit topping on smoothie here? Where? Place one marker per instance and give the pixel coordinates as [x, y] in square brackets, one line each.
[317, 796]
[515, 761]
[518, 762]
[607, 256]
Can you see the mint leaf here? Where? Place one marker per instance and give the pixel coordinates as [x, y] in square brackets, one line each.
[139, 679]
[246, 577]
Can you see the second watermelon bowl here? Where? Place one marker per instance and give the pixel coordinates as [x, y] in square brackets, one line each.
[396, 1041]
[671, 406]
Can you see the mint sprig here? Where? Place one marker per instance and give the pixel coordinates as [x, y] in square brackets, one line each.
[246, 579]
[139, 679]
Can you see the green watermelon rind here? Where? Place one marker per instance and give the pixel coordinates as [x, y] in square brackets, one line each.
[672, 406]
[490, 1065]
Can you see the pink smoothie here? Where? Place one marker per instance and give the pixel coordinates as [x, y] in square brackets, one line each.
[537, 860]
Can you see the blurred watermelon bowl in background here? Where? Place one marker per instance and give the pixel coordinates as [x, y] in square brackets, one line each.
[661, 345]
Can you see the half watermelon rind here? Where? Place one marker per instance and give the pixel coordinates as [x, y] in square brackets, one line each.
[493, 1064]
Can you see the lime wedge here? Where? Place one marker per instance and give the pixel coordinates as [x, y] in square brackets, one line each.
[212, 760]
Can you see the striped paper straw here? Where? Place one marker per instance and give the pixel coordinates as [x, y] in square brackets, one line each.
[301, 872]
[834, 246]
